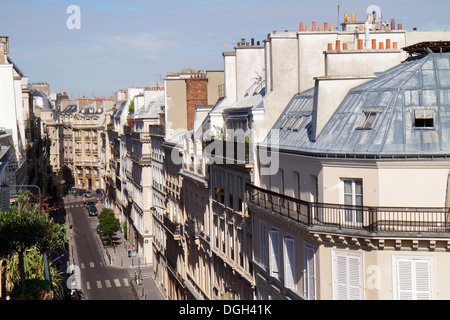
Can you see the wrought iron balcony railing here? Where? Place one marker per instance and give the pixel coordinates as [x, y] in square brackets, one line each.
[235, 152]
[347, 217]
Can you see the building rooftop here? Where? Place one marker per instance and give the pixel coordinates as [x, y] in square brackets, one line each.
[152, 109]
[403, 112]
[252, 98]
[71, 108]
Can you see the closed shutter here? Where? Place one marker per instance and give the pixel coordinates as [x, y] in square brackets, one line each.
[289, 266]
[310, 273]
[274, 253]
[348, 284]
[414, 281]
[423, 281]
[354, 278]
[405, 280]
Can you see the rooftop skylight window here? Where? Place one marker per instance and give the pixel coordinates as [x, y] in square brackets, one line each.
[423, 118]
[298, 124]
[367, 120]
[294, 121]
[285, 122]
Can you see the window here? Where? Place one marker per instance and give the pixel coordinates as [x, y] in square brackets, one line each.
[423, 118]
[413, 279]
[309, 272]
[298, 124]
[285, 122]
[281, 175]
[347, 276]
[297, 185]
[353, 197]
[367, 120]
[230, 190]
[293, 122]
[289, 263]
[263, 244]
[274, 253]
[240, 193]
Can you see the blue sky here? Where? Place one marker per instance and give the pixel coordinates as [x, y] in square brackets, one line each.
[136, 42]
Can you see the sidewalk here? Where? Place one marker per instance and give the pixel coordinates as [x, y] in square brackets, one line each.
[117, 257]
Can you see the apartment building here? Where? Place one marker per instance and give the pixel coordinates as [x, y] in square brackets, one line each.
[16, 106]
[176, 287]
[140, 183]
[344, 215]
[128, 178]
[183, 269]
[25, 145]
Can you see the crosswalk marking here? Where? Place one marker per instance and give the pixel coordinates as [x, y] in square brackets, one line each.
[83, 265]
[91, 264]
[147, 275]
[108, 283]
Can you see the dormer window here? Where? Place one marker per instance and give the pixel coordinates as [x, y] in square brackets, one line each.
[423, 118]
[367, 120]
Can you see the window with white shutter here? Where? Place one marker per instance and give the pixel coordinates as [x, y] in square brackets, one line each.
[347, 276]
[274, 253]
[289, 263]
[413, 279]
[310, 286]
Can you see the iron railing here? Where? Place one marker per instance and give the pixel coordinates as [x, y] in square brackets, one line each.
[349, 217]
[173, 227]
[235, 152]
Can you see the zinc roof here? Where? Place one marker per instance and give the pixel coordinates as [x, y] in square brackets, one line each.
[417, 88]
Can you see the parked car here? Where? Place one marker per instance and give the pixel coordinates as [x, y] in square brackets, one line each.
[99, 191]
[88, 194]
[99, 229]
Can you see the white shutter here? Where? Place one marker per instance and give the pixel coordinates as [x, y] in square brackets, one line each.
[348, 283]
[341, 277]
[310, 273]
[289, 264]
[274, 253]
[422, 277]
[414, 281]
[354, 278]
[405, 279]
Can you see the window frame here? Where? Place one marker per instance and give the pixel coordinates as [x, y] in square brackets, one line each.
[364, 123]
[424, 114]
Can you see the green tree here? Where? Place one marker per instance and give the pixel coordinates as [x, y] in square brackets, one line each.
[34, 272]
[108, 223]
[131, 107]
[125, 229]
[24, 226]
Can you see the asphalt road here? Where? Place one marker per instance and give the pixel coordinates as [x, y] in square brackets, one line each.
[98, 281]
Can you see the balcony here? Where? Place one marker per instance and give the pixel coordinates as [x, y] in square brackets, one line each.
[360, 219]
[195, 229]
[173, 227]
[142, 159]
[229, 152]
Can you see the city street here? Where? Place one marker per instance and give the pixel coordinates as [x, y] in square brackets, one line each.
[98, 281]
